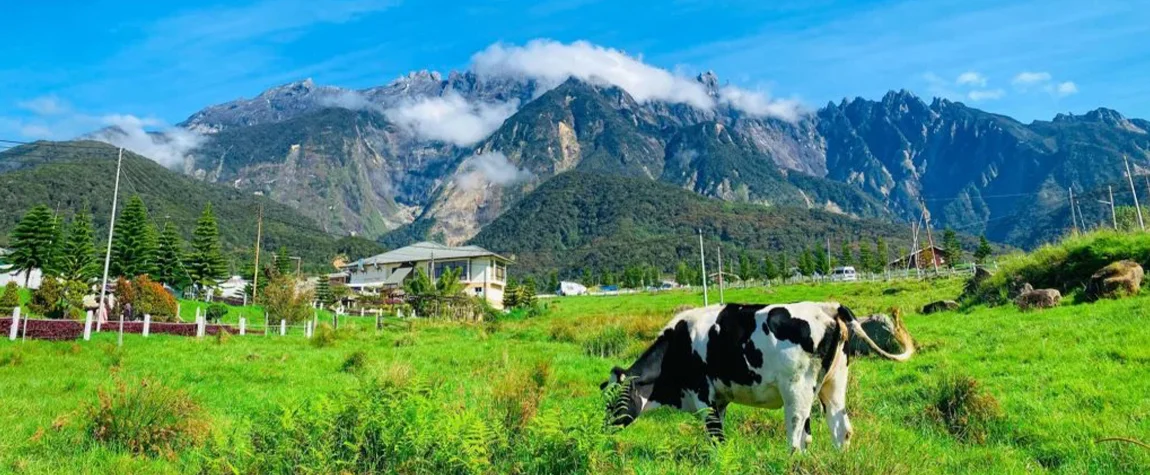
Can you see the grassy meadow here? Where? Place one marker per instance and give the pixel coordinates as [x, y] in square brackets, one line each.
[992, 390]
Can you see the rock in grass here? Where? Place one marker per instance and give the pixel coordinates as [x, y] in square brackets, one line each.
[939, 306]
[1041, 298]
[1119, 279]
[879, 328]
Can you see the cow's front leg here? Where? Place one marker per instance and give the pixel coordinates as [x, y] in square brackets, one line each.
[714, 422]
[797, 399]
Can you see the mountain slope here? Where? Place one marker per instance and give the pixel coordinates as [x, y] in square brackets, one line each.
[71, 176]
[592, 221]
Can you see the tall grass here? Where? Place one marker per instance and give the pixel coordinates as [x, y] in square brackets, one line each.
[146, 417]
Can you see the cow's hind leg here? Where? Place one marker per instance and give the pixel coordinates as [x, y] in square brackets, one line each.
[714, 422]
[798, 396]
[834, 399]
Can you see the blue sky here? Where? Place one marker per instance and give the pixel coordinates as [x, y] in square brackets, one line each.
[68, 65]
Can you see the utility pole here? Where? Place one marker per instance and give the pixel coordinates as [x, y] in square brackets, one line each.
[930, 238]
[1137, 207]
[259, 234]
[1113, 217]
[719, 249]
[1073, 219]
[703, 266]
[107, 254]
[829, 270]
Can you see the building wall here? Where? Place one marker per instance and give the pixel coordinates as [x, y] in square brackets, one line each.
[482, 280]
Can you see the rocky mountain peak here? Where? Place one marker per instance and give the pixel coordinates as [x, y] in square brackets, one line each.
[709, 79]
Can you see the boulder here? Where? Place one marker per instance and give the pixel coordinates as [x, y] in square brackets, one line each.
[971, 287]
[881, 329]
[1118, 279]
[939, 306]
[1041, 298]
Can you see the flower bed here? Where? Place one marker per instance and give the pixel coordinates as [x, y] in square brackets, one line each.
[47, 329]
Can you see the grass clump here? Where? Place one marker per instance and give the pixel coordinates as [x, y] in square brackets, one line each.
[960, 405]
[516, 398]
[354, 362]
[562, 331]
[146, 417]
[323, 336]
[609, 342]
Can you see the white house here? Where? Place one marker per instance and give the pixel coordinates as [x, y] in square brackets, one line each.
[484, 273]
[8, 274]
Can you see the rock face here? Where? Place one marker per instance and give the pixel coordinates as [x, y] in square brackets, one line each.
[1041, 298]
[881, 329]
[939, 306]
[1119, 279]
[970, 289]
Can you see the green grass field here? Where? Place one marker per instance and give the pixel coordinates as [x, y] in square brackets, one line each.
[450, 398]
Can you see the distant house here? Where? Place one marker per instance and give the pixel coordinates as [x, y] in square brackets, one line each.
[234, 290]
[338, 278]
[484, 273]
[8, 273]
[923, 256]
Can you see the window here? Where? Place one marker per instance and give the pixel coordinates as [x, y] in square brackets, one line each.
[443, 266]
[500, 271]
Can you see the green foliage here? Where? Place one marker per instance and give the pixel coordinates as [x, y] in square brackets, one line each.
[747, 270]
[216, 312]
[134, 242]
[146, 418]
[770, 270]
[822, 261]
[10, 299]
[511, 295]
[1127, 218]
[354, 362]
[284, 263]
[983, 250]
[610, 342]
[152, 299]
[419, 283]
[283, 300]
[48, 301]
[846, 256]
[323, 292]
[687, 275]
[206, 262]
[78, 254]
[170, 268]
[952, 246]
[882, 254]
[34, 242]
[807, 265]
[323, 336]
[962, 406]
[866, 260]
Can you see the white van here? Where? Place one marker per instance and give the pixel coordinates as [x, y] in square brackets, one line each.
[844, 274]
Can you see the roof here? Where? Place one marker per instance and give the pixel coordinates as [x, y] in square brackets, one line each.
[425, 251]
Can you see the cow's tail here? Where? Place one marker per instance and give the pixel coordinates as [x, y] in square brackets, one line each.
[845, 315]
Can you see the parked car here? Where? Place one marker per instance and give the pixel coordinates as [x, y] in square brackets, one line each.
[844, 274]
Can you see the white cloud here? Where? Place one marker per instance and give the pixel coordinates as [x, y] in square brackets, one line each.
[985, 94]
[971, 78]
[491, 168]
[757, 103]
[1029, 78]
[45, 105]
[168, 146]
[551, 62]
[1065, 89]
[939, 87]
[451, 118]
[351, 100]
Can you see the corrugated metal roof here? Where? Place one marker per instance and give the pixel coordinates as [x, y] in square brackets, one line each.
[424, 251]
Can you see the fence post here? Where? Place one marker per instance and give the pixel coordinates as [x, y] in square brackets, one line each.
[24, 334]
[378, 321]
[267, 324]
[335, 321]
[283, 327]
[12, 331]
[88, 325]
[147, 325]
[201, 326]
[178, 317]
[307, 329]
[243, 326]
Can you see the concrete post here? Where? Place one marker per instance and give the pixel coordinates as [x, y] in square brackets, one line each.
[88, 325]
[15, 329]
[243, 326]
[283, 327]
[147, 325]
[307, 329]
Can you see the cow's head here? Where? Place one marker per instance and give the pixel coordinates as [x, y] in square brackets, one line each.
[629, 390]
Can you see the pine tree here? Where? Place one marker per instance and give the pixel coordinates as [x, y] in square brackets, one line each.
[784, 264]
[770, 270]
[78, 254]
[983, 250]
[323, 292]
[33, 241]
[134, 241]
[747, 271]
[866, 258]
[882, 255]
[587, 279]
[553, 282]
[821, 261]
[846, 257]
[283, 262]
[807, 263]
[170, 259]
[206, 262]
[952, 246]
[10, 298]
[511, 294]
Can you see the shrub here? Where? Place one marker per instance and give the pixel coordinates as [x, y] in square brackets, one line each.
[609, 342]
[285, 301]
[125, 294]
[515, 398]
[151, 298]
[323, 336]
[48, 300]
[963, 408]
[10, 299]
[354, 362]
[216, 312]
[146, 418]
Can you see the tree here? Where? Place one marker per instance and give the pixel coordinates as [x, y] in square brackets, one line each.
[206, 262]
[770, 270]
[845, 256]
[448, 284]
[747, 271]
[419, 284]
[169, 259]
[10, 299]
[284, 301]
[807, 264]
[1127, 218]
[983, 250]
[33, 242]
[952, 246]
[323, 292]
[587, 279]
[134, 241]
[48, 300]
[822, 261]
[283, 262]
[553, 282]
[511, 294]
[685, 274]
[78, 254]
[866, 258]
[882, 255]
[784, 265]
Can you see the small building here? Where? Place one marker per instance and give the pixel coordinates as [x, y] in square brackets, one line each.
[923, 256]
[483, 273]
[8, 273]
[338, 278]
[234, 290]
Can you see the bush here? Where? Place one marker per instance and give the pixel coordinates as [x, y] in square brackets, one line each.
[146, 418]
[285, 301]
[516, 398]
[963, 408]
[48, 300]
[323, 336]
[151, 298]
[610, 342]
[10, 299]
[354, 362]
[216, 312]
[125, 294]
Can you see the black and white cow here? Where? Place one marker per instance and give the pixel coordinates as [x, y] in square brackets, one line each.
[766, 356]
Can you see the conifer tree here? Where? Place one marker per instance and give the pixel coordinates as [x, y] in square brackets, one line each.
[170, 259]
[206, 262]
[134, 241]
[78, 253]
[983, 250]
[33, 241]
